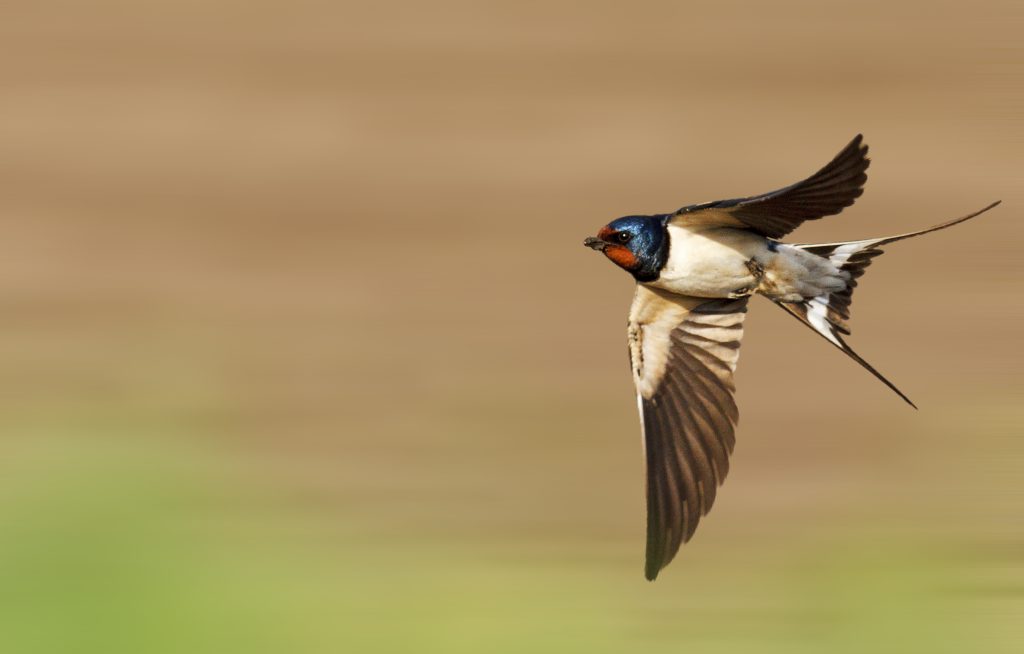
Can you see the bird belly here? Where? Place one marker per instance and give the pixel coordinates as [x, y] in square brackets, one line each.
[792, 274]
[710, 262]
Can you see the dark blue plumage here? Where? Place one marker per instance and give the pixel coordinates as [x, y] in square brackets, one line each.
[646, 237]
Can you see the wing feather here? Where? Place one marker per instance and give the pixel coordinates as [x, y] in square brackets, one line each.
[825, 193]
[684, 352]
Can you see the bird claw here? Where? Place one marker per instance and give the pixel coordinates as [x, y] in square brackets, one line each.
[746, 291]
[757, 271]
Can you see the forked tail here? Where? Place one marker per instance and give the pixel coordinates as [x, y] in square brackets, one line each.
[828, 314]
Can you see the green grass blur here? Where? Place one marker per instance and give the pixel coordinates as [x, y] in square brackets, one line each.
[123, 536]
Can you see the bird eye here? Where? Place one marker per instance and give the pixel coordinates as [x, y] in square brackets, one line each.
[623, 237]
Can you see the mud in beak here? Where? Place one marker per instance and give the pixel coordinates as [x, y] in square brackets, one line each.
[595, 243]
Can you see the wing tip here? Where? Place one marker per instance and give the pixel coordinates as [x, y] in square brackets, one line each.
[857, 153]
[856, 144]
[651, 569]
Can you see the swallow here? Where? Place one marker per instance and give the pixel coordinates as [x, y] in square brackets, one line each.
[696, 269]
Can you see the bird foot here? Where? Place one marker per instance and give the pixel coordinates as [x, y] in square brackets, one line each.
[746, 291]
[757, 271]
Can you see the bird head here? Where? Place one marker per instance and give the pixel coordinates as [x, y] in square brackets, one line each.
[638, 244]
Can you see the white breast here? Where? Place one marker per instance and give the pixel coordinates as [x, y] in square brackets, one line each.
[709, 262]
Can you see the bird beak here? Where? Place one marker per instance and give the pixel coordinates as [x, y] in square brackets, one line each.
[595, 243]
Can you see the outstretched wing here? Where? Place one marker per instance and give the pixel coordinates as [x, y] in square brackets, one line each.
[683, 352]
[775, 214]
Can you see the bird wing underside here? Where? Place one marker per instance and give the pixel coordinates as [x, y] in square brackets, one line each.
[684, 352]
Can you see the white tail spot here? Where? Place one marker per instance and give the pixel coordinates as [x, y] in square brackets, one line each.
[817, 313]
[842, 254]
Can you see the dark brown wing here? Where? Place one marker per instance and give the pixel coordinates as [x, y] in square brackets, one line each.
[775, 214]
[684, 351]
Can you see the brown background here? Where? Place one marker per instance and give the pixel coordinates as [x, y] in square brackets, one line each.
[301, 350]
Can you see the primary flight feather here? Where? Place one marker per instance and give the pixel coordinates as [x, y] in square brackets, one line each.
[696, 269]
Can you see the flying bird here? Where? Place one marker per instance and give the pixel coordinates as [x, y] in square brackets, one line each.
[696, 269]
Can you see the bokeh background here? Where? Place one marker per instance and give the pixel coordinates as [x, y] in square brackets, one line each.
[301, 351]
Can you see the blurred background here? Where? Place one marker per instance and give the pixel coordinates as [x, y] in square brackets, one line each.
[301, 351]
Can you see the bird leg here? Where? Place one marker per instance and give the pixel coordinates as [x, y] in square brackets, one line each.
[757, 270]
